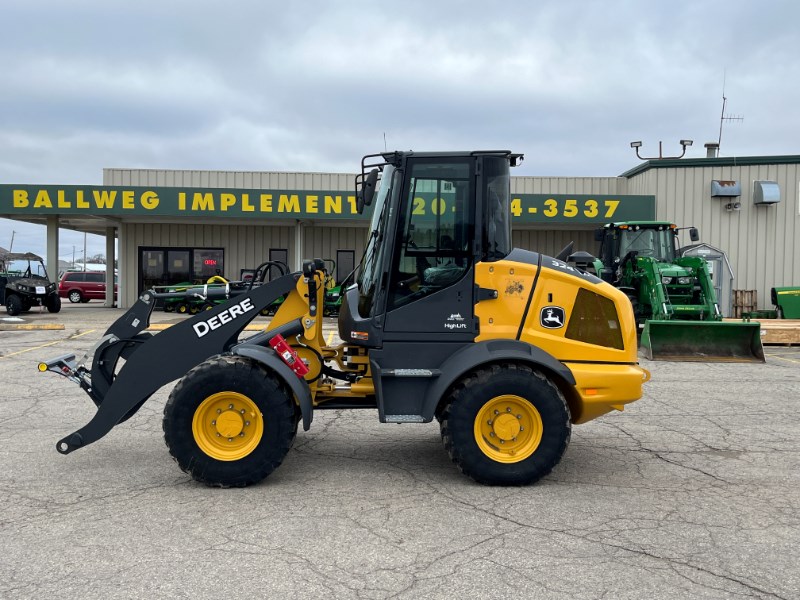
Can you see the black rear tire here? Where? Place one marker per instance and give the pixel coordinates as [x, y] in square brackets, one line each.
[75, 297]
[197, 446]
[13, 305]
[529, 414]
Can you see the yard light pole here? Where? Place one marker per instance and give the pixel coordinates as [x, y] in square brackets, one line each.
[636, 145]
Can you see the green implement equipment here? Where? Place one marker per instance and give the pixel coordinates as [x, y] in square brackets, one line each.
[701, 341]
[787, 302]
[673, 297]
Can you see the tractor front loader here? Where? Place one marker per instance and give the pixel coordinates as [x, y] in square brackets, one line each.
[673, 297]
[505, 348]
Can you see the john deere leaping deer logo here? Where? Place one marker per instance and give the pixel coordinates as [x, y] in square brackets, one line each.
[552, 317]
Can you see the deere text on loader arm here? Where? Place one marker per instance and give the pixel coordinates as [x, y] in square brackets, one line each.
[506, 348]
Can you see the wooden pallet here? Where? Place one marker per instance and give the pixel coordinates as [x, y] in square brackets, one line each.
[779, 332]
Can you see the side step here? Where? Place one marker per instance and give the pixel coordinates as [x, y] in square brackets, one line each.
[702, 341]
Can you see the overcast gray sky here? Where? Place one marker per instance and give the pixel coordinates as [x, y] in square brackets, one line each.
[314, 85]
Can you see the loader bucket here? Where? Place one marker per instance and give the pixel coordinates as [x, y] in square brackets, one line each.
[702, 341]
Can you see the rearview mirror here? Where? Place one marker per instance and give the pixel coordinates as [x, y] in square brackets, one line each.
[368, 189]
[694, 234]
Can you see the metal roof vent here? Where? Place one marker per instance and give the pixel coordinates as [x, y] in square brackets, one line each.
[725, 189]
[766, 192]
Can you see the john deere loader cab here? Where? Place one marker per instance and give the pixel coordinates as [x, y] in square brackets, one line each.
[417, 274]
[505, 348]
[673, 297]
[413, 303]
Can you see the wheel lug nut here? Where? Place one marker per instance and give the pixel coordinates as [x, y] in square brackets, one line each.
[242, 411]
[502, 441]
[519, 416]
[491, 434]
[513, 439]
[489, 421]
[231, 406]
[219, 411]
[219, 434]
[230, 439]
[214, 422]
[247, 422]
[508, 409]
[522, 429]
[497, 412]
[241, 434]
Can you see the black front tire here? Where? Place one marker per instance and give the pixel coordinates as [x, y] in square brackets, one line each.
[75, 297]
[252, 383]
[541, 408]
[53, 304]
[13, 305]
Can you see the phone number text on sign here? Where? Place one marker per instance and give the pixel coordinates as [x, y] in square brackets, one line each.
[549, 208]
[569, 208]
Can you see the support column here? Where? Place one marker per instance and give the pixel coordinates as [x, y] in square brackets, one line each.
[110, 234]
[52, 248]
[127, 269]
[299, 243]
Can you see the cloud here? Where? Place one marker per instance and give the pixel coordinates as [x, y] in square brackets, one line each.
[312, 86]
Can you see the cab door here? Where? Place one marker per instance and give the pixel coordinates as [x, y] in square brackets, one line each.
[430, 280]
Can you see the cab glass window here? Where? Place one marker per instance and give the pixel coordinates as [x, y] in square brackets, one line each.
[436, 230]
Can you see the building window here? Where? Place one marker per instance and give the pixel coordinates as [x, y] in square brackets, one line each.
[171, 266]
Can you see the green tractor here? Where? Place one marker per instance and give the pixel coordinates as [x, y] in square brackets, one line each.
[673, 297]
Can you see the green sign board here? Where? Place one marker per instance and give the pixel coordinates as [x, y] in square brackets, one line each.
[295, 204]
[581, 208]
[169, 201]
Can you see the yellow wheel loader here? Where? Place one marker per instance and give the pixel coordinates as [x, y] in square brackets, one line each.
[506, 348]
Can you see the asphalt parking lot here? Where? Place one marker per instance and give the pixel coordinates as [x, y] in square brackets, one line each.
[692, 492]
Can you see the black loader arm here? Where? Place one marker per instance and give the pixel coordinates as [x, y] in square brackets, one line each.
[155, 361]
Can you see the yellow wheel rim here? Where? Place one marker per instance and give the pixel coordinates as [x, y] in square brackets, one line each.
[508, 429]
[227, 426]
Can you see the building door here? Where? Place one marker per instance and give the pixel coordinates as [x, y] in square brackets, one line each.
[178, 268]
[280, 255]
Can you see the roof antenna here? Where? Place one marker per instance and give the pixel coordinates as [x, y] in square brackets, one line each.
[723, 117]
[385, 149]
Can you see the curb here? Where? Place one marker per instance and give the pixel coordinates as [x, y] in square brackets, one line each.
[30, 326]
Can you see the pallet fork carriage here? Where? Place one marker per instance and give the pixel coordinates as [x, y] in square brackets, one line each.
[505, 348]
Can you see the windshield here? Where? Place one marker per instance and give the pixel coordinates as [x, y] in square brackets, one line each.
[24, 268]
[370, 271]
[660, 244]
